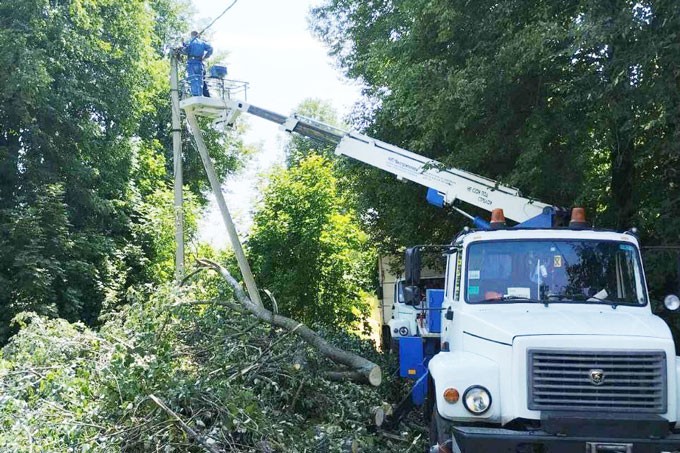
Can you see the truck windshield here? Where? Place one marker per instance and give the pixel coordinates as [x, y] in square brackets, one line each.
[582, 271]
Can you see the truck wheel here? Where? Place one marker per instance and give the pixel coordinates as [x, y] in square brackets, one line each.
[429, 401]
[394, 346]
[440, 435]
[386, 339]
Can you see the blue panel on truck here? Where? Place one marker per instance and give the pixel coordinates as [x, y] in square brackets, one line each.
[435, 299]
[412, 366]
[419, 391]
[543, 220]
[411, 357]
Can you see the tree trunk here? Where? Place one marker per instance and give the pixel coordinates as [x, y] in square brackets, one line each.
[623, 182]
[9, 161]
[363, 370]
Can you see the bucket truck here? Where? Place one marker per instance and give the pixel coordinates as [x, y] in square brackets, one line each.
[542, 338]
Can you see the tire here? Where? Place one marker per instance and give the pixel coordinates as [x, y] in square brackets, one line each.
[386, 339]
[429, 401]
[433, 431]
[394, 346]
[439, 435]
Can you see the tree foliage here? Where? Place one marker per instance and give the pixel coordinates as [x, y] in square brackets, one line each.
[84, 146]
[571, 101]
[64, 387]
[307, 247]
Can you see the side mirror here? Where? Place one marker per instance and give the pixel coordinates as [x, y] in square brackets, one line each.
[412, 266]
[411, 295]
[671, 302]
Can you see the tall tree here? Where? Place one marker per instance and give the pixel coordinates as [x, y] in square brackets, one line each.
[307, 247]
[572, 101]
[84, 121]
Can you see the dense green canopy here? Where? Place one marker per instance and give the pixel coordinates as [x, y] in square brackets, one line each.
[574, 102]
[85, 206]
[307, 246]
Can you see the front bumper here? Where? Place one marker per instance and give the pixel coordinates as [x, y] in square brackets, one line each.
[496, 440]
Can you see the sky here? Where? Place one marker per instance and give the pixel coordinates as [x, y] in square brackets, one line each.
[268, 44]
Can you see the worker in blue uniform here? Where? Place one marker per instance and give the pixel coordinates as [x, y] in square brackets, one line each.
[197, 51]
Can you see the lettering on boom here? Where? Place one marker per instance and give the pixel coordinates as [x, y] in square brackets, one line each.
[419, 174]
[403, 165]
[483, 195]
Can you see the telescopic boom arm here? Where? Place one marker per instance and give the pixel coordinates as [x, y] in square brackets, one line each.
[445, 185]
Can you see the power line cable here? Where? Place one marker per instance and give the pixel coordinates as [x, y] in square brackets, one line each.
[210, 24]
[218, 18]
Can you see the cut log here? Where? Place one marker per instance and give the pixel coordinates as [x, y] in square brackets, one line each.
[299, 361]
[380, 413]
[362, 370]
[356, 376]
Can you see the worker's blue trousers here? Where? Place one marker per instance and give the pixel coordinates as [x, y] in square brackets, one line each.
[195, 76]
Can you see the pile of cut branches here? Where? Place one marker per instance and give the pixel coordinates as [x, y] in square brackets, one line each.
[173, 373]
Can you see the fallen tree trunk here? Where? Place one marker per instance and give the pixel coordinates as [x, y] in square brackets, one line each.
[362, 370]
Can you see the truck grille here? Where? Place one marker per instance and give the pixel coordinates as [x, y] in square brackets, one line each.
[597, 380]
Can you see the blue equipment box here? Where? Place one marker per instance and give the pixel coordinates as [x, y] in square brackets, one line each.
[411, 357]
[434, 299]
[218, 72]
[413, 365]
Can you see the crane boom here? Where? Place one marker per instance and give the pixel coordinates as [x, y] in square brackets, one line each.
[445, 185]
[449, 184]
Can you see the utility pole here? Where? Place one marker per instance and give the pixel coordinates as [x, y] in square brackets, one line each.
[177, 158]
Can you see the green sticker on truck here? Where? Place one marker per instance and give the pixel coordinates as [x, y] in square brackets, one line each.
[473, 290]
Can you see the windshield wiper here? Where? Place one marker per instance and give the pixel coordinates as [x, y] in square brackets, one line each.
[506, 298]
[583, 297]
[603, 301]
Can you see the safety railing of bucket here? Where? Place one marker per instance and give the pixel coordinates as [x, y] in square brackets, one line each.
[217, 87]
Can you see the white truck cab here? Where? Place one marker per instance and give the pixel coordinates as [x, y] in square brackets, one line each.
[548, 343]
[399, 318]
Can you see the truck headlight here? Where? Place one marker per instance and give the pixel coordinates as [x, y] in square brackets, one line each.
[672, 302]
[477, 399]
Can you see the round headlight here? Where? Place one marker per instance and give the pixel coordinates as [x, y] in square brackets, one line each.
[477, 399]
[403, 331]
[672, 302]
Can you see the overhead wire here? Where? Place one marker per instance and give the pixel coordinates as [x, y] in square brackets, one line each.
[217, 18]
